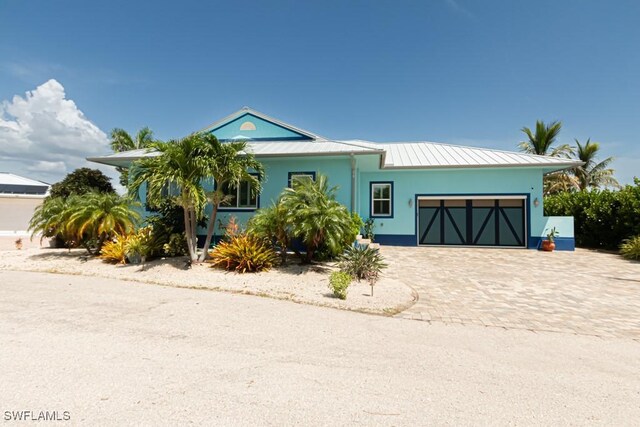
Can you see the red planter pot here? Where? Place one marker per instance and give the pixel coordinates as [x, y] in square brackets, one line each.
[548, 246]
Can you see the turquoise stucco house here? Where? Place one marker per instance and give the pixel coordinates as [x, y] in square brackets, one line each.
[419, 193]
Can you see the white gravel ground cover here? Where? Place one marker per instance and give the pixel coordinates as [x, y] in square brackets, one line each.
[304, 284]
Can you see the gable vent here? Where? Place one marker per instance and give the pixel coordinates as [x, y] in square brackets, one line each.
[247, 126]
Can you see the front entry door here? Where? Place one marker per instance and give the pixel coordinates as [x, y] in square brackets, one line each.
[472, 222]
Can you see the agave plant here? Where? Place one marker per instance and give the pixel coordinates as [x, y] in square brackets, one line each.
[362, 262]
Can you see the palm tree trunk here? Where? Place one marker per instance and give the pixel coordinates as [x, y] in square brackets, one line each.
[189, 235]
[210, 229]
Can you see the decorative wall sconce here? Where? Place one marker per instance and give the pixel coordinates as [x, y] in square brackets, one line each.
[410, 202]
[536, 202]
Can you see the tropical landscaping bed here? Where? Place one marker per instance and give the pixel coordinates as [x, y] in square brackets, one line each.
[299, 283]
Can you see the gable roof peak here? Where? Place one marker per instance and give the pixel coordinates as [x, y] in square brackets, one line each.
[248, 110]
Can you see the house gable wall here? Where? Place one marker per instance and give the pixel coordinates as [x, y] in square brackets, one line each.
[250, 127]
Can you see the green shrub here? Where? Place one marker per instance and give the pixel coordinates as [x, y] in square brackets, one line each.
[339, 282]
[368, 228]
[362, 262]
[272, 224]
[603, 218]
[243, 253]
[176, 246]
[167, 220]
[630, 248]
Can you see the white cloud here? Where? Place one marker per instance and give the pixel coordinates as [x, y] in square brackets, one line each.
[44, 135]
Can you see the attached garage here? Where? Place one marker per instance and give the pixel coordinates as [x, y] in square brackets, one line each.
[496, 221]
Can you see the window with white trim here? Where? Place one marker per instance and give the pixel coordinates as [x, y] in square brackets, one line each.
[381, 199]
[300, 175]
[239, 197]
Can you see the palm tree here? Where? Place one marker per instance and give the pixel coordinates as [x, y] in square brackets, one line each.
[49, 220]
[182, 166]
[593, 174]
[272, 223]
[122, 141]
[98, 217]
[228, 164]
[541, 142]
[315, 215]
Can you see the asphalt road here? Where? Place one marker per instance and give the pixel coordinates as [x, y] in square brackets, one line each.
[120, 353]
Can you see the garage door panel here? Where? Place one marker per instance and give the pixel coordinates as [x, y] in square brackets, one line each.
[484, 226]
[455, 230]
[472, 222]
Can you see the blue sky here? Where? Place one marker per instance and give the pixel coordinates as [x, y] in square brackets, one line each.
[458, 71]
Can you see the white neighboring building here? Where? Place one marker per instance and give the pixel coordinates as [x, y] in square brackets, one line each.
[19, 197]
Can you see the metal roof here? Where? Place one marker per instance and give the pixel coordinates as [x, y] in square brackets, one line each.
[308, 148]
[400, 155]
[13, 179]
[14, 184]
[437, 155]
[260, 149]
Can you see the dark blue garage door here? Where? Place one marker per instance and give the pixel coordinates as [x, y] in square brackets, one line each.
[472, 222]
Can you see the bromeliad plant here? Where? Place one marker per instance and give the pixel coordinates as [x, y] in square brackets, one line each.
[630, 248]
[243, 253]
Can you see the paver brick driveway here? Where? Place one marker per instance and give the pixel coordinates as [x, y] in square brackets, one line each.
[582, 292]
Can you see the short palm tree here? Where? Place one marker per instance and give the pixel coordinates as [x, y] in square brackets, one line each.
[542, 141]
[315, 215]
[96, 217]
[593, 174]
[122, 141]
[272, 223]
[49, 219]
[228, 164]
[181, 166]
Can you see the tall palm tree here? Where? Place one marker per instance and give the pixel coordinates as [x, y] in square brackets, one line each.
[315, 215]
[122, 141]
[593, 174]
[98, 217]
[542, 141]
[182, 165]
[229, 164]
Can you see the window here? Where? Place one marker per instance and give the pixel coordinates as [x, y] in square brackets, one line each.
[240, 197]
[381, 199]
[300, 175]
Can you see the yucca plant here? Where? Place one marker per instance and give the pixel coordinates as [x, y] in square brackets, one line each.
[362, 262]
[630, 248]
[243, 253]
[115, 251]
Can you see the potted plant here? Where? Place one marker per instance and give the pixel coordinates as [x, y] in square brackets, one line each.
[550, 244]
